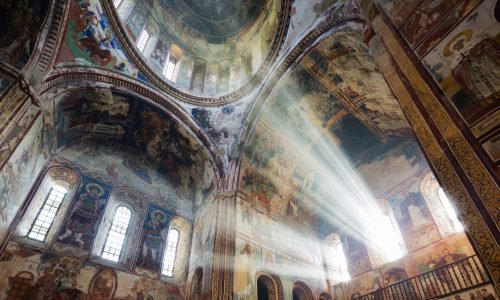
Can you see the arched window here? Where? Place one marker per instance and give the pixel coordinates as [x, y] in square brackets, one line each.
[116, 234]
[385, 242]
[170, 253]
[335, 259]
[47, 214]
[269, 287]
[198, 76]
[440, 206]
[172, 65]
[450, 211]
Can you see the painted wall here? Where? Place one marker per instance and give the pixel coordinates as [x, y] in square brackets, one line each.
[42, 274]
[458, 43]
[20, 23]
[52, 271]
[20, 172]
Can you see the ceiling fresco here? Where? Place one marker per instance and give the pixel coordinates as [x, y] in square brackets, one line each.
[20, 23]
[215, 19]
[134, 144]
[90, 41]
[335, 97]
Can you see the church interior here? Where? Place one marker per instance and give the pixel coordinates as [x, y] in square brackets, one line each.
[250, 149]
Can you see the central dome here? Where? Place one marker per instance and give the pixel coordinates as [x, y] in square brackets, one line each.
[207, 50]
[215, 19]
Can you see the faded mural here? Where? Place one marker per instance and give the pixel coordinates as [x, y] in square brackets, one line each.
[134, 144]
[43, 275]
[20, 172]
[20, 23]
[90, 40]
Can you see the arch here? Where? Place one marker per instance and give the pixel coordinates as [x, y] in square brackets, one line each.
[198, 75]
[183, 226]
[269, 287]
[386, 242]
[196, 285]
[136, 203]
[55, 176]
[440, 206]
[301, 291]
[325, 296]
[335, 259]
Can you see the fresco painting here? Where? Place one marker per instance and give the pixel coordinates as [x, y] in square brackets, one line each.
[404, 156]
[267, 228]
[465, 63]
[154, 237]
[441, 253]
[44, 275]
[247, 260]
[427, 15]
[414, 218]
[20, 23]
[79, 229]
[90, 40]
[20, 172]
[364, 284]
[96, 128]
[19, 130]
[463, 8]
[486, 292]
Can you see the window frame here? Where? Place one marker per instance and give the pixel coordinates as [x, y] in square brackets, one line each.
[166, 252]
[139, 39]
[52, 188]
[125, 235]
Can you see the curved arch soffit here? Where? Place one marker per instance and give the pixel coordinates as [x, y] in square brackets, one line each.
[138, 60]
[329, 27]
[274, 282]
[67, 79]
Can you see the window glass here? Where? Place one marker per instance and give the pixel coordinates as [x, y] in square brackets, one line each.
[47, 213]
[170, 252]
[116, 235]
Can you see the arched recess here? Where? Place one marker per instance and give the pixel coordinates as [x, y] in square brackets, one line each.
[117, 103]
[196, 285]
[183, 226]
[269, 287]
[440, 207]
[68, 179]
[301, 291]
[136, 203]
[325, 296]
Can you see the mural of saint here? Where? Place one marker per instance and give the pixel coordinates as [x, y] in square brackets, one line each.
[153, 240]
[243, 274]
[84, 218]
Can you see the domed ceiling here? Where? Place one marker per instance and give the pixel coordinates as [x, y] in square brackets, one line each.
[214, 47]
[215, 19]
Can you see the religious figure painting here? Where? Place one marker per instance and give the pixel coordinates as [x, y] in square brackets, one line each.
[80, 227]
[466, 63]
[91, 41]
[153, 239]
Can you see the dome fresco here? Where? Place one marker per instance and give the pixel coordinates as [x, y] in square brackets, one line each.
[204, 48]
[215, 19]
